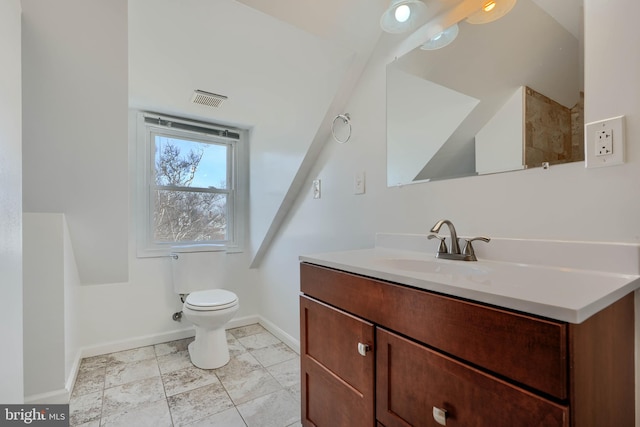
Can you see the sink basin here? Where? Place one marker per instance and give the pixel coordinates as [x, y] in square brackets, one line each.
[458, 268]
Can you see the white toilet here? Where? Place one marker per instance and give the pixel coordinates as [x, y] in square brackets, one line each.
[209, 310]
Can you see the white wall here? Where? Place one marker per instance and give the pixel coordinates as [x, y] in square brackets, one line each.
[50, 325]
[495, 150]
[11, 365]
[139, 311]
[163, 74]
[75, 126]
[43, 291]
[563, 202]
[72, 321]
[75, 88]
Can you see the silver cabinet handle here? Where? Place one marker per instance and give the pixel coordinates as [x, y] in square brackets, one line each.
[363, 348]
[440, 415]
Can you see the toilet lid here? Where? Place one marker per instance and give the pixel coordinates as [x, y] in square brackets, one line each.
[213, 299]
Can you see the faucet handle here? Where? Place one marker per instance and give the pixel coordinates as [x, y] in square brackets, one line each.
[442, 249]
[468, 249]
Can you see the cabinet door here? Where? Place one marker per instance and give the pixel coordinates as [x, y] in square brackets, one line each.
[416, 385]
[337, 380]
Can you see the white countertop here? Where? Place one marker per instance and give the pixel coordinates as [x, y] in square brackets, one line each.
[551, 289]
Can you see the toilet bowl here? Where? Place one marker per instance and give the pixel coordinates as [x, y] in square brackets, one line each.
[210, 311]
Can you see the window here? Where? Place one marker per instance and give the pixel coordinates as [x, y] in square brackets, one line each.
[189, 197]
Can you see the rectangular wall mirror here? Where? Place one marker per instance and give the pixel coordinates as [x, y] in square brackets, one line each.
[503, 96]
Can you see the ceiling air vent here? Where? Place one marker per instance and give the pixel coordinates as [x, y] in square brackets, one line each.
[207, 98]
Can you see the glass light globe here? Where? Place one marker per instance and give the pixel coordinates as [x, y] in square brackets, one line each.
[402, 13]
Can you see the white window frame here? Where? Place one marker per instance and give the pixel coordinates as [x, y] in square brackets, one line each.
[237, 178]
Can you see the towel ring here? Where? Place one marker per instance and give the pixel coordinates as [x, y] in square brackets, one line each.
[346, 119]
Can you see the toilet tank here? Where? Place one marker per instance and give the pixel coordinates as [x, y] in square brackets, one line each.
[197, 271]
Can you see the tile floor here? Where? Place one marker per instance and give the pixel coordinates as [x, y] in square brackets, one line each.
[158, 386]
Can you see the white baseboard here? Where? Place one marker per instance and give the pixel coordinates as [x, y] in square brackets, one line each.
[243, 321]
[152, 339]
[142, 341]
[280, 334]
[71, 379]
[61, 396]
[50, 398]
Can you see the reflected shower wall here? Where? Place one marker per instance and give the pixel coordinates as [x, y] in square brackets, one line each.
[553, 133]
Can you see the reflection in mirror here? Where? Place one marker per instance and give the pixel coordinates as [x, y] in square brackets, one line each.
[503, 96]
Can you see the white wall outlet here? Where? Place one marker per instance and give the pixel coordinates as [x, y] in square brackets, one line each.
[604, 142]
[358, 182]
[316, 189]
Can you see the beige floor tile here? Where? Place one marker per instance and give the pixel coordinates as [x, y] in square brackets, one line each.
[294, 390]
[273, 354]
[286, 373]
[239, 365]
[172, 346]
[94, 423]
[228, 418]
[187, 379]
[128, 396]
[259, 340]
[122, 373]
[133, 355]
[235, 348]
[89, 380]
[197, 404]
[93, 362]
[130, 388]
[275, 409]
[174, 361]
[247, 330]
[250, 385]
[85, 408]
[154, 414]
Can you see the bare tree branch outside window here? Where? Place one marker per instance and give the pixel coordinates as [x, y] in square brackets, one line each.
[183, 212]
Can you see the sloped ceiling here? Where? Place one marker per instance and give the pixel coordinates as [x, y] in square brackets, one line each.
[287, 67]
[262, 64]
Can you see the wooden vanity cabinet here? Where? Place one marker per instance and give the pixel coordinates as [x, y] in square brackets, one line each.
[337, 381]
[483, 365]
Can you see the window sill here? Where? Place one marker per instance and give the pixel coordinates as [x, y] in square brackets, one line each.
[166, 251]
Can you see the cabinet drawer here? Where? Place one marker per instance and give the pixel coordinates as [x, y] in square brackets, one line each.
[413, 379]
[337, 381]
[504, 342]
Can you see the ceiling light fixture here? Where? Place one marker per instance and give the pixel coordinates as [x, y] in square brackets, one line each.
[441, 39]
[488, 7]
[491, 11]
[403, 15]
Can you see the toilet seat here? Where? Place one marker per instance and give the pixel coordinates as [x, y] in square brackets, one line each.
[211, 300]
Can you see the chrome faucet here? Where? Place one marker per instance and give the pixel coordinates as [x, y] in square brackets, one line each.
[455, 246]
[453, 252]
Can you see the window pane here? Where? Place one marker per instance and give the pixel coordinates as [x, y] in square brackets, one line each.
[188, 163]
[185, 216]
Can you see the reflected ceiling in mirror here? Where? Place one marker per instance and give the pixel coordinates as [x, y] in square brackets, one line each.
[502, 96]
